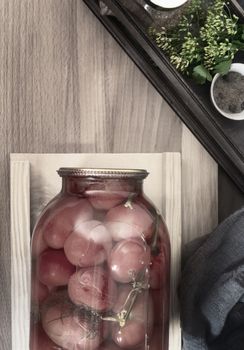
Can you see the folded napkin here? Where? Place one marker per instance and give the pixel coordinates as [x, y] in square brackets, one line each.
[212, 289]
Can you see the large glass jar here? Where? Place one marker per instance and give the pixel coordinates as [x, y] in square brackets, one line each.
[100, 266]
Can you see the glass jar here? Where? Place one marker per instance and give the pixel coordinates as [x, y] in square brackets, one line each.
[100, 266]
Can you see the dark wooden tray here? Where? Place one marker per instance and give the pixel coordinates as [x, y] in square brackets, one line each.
[223, 138]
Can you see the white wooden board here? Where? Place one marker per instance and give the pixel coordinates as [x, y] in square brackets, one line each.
[34, 182]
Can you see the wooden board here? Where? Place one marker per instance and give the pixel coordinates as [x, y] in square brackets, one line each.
[67, 86]
[41, 183]
[222, 137]
[20, 253]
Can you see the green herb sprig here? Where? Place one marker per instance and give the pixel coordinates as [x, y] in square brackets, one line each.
[204, 42]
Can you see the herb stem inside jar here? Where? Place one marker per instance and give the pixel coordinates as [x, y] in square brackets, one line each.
[137, 287]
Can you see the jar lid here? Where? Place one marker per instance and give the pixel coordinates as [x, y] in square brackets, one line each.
[103, 173]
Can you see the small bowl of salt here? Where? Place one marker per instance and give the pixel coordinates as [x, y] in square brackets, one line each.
[227, 92]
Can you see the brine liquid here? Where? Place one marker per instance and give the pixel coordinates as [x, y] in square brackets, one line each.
[100, 274]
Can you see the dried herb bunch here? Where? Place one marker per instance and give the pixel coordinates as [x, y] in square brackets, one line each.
[204, 42]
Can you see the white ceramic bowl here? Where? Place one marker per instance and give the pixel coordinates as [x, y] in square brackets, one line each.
[235, 67]
[169, 4]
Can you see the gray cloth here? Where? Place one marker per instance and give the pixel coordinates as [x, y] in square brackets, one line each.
[212, 289]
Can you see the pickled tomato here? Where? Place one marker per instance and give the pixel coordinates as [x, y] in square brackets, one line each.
[53, 268]
[38, 243]
[138, 324]
[69, 329]
[109, 346]
[157, 271]
[122, 230]
[128, 258]
[94, 288]
[66, 215]
[39, 291]
[124, 292]
[105, 200]
[39, 339]
[88, 245]
[126, 222]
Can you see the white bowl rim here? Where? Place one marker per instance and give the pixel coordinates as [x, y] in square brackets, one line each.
[235, 67]
[167, 4]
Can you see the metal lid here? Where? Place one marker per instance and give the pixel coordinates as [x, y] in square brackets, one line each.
[105, 173]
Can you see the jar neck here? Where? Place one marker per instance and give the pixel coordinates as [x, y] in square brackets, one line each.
[77, 185]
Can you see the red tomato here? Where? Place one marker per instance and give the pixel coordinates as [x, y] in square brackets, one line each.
[123, 292]
[63, 218]
[128, 258]
[53, 268]
[126, 222]
[139, 323]
[157, 271]
[160, 259]
[105, 200]
[92, 287]
[38, 243]
[39, 291]
[122, 230]
[109, 346]
[69, 329]
[88, 245]
[39, 339]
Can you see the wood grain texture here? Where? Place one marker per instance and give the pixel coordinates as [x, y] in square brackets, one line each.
[173, 218]
[190, 102]
[20, 254]
[199, 189]
[43, 184]
[66, 86]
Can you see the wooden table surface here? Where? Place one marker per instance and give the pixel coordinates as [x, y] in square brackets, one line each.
[66, 86]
